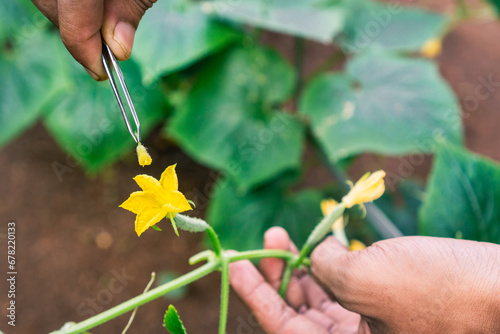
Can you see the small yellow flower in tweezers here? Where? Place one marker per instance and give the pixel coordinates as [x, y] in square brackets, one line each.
[158, 199]
[143, 155]
[368, 188]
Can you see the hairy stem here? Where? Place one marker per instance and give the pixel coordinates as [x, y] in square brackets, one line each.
[285, 280]
[319, 232]
[214, 240]
[141, 299]
[224, 295]
[262, 253]
[196, 274]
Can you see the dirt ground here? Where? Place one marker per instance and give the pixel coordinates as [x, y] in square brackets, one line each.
[73, 240]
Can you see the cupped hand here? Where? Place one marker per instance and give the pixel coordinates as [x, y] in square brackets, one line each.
[404, 285]
[81, 23]
[308, 308]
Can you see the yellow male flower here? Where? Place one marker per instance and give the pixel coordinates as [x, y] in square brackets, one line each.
[368, 188]
[432, 48]
[158, 199]
[143, 155]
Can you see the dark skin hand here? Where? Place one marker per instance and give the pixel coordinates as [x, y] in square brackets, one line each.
[405, 286]
[81, 23]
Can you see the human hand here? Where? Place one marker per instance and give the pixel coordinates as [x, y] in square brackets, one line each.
[415, 284]
[81, 23]
[309, 308]
[405, 285]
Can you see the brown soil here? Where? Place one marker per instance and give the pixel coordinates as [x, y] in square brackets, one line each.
[71, 235]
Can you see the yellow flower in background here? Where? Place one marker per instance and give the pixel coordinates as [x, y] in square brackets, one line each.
[356, 245]
[338, 228]
[432, 48]
[367, 189]
[157, 200]
[143, 155]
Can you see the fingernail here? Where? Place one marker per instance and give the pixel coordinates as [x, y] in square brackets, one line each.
[124, 35]
[92, 74]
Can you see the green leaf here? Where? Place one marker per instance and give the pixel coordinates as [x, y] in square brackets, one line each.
[372, 25]
[20, 20]
[229, 121]
[241, 218]
[172, 321]
[495, 4]
[303, 18]
[29, 80]
[383, 104]
[176, 33]
[88, 124]
[463, 197]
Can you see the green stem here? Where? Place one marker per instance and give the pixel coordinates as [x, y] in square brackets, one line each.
[319, 232]
[285, 280]
[224, 295]
[462, 10]
[298, 55]
[263, 253]
[141, 299]
[214, 240]
[179, 282]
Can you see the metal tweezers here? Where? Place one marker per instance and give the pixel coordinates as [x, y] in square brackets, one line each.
[107, 54]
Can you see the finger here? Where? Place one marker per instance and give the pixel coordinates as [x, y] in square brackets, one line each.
[272, 268]
[271, 311]
[342, 273]
[49, 9]
[295, 294]
[121, 19]
[329, 263]
[80, 24]
[320, 318]
[317, 298]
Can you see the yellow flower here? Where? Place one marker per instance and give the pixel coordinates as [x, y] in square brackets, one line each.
[143, 155]
[356, 245]
[368, 188]
[432, 48]
[158, 199]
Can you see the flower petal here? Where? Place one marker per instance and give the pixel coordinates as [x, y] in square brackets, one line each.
[147, 218]
[168, 179]
[148, 183]
[140, 200]
[328, 205]
[177, 202]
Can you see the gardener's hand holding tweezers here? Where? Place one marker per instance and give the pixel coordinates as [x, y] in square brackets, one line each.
[81, 23]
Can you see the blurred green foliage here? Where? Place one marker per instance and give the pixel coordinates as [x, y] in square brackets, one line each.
[199, 68]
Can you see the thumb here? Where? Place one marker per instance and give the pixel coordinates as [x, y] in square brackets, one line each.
[343, 274]
[329, 264]
[120, 22]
